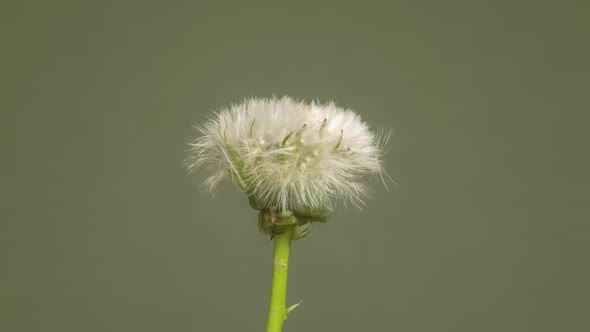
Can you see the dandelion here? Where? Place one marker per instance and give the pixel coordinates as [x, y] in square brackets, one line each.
[289, 155]
[295, 161]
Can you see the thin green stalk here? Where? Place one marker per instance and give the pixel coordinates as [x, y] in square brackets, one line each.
[277, 312]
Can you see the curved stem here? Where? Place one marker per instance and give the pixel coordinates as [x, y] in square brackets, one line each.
[277, 312]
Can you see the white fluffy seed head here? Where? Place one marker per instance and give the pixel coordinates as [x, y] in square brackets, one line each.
[289, 155]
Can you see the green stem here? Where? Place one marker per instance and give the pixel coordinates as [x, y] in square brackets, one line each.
[277, 312]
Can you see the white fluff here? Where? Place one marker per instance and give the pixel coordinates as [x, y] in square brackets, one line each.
[287, 154]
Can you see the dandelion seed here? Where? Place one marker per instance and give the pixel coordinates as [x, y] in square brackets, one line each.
[289, 155]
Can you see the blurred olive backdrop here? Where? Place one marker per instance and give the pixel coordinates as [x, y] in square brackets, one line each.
[103, 230]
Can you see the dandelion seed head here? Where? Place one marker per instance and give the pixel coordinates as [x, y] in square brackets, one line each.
[287, 154]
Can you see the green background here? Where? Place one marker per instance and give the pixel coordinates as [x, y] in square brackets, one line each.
[103, 230]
